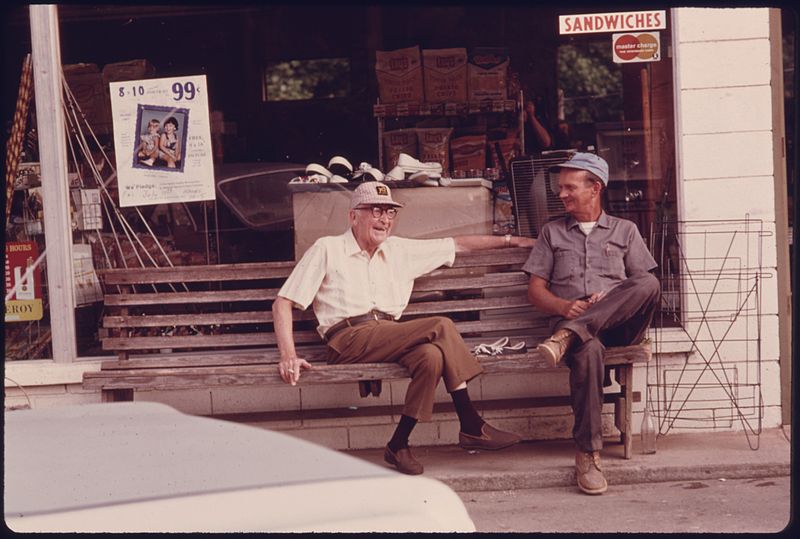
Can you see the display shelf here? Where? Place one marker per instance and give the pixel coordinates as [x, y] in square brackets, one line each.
[388, 111]
[385, 110]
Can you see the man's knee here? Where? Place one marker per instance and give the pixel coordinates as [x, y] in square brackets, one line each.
[431, 362]
[649, 285]
[444, 324]
[587, 355]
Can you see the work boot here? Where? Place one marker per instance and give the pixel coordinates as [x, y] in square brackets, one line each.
[588, 473]
[554, 347]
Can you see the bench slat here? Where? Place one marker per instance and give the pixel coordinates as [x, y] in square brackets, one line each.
[492, 280]
[183, 376]
[196, 274]
[198, 341]
[183, 298]
[199, 319]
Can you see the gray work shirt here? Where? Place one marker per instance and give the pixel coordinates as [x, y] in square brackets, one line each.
[577, 264]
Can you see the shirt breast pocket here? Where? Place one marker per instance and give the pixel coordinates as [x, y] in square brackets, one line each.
[565, 267]
[613, 261]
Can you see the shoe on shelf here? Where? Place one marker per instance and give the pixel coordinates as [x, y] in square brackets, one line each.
[367, 173]
[403, 460]
[312, 178]
[490, 438]
[315, 168]
[588, 473]
[554, 347]
[397, 174]
[341, 167]
[410, 165]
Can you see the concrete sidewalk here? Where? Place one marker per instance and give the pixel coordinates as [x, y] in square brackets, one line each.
[679, 457]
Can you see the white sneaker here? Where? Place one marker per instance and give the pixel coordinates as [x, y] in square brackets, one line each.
[366, 173]
[314, 168]
[411, 165]
[341, 168]
[311, 178]
[396, 174]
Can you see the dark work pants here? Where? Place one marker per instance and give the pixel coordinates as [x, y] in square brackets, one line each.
[619, 319]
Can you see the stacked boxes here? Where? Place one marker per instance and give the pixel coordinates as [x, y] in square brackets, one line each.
[442, 82]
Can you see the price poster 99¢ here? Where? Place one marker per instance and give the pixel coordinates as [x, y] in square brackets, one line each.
[162, 140]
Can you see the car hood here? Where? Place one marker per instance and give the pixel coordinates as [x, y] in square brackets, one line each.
[101, 454]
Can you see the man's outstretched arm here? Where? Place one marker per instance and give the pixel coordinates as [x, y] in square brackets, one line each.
[479, 242]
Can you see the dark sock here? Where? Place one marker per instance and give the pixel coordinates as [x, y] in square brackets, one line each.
[402, 432]
[471, 422]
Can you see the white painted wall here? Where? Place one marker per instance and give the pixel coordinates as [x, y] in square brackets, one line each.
[725, 150]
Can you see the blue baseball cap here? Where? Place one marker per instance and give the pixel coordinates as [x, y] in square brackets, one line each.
[586, 161]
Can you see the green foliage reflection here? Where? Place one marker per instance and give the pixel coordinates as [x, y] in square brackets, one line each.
[324, 78]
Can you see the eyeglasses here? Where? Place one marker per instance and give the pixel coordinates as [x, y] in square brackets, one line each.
[377, 211]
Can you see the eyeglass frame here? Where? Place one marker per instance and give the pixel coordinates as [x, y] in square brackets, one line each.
[377, 211]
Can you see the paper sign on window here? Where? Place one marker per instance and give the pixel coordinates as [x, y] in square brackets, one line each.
[162, 140]
[26, 303]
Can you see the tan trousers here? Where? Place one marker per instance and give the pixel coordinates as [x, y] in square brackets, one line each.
[430, 348]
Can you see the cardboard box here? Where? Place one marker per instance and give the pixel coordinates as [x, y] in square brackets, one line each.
[487, 72]
[469, 153]
[434, 146]
[130, 70]
[80, 69]
[445, 75]
[399, 74]
[91, 95]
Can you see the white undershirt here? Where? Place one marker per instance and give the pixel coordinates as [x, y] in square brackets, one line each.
[587, 226]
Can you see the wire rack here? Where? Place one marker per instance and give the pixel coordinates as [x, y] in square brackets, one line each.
[712, 284]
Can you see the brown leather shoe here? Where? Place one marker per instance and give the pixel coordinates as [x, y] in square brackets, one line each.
[403, 460]
[554, 347]
[490, 438]
[588, 473]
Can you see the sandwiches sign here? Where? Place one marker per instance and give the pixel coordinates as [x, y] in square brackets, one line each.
[626, 21]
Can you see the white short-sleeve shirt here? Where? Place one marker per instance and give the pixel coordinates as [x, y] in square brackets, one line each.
[342, 280]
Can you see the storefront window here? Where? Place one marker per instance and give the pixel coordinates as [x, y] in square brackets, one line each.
[287, 86]
[295, 80]
[625, 112]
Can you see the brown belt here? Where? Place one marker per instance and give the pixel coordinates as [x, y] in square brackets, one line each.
[355, 320]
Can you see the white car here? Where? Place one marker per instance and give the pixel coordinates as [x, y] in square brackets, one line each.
[145, 467]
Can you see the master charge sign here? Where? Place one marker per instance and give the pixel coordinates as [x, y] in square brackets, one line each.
[636, 47]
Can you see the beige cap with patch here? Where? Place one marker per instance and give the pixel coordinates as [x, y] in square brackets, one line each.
[371, 193]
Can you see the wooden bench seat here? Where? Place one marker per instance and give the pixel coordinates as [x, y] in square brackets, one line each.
[211, 326]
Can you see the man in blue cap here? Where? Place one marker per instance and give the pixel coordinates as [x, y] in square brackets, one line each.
[591, 272]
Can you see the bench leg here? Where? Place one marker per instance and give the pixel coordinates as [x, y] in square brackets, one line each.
[117, 395]
[623, 407]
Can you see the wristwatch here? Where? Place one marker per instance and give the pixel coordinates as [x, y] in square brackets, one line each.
[508, 240]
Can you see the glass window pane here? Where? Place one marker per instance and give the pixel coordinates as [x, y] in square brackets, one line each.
[295, 80]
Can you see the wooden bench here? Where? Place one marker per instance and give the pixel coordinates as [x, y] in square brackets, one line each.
[211, 326]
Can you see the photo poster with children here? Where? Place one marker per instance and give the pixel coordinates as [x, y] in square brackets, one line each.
[162, 140]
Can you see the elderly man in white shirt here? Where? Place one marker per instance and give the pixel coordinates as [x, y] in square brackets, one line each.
[359, 283]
